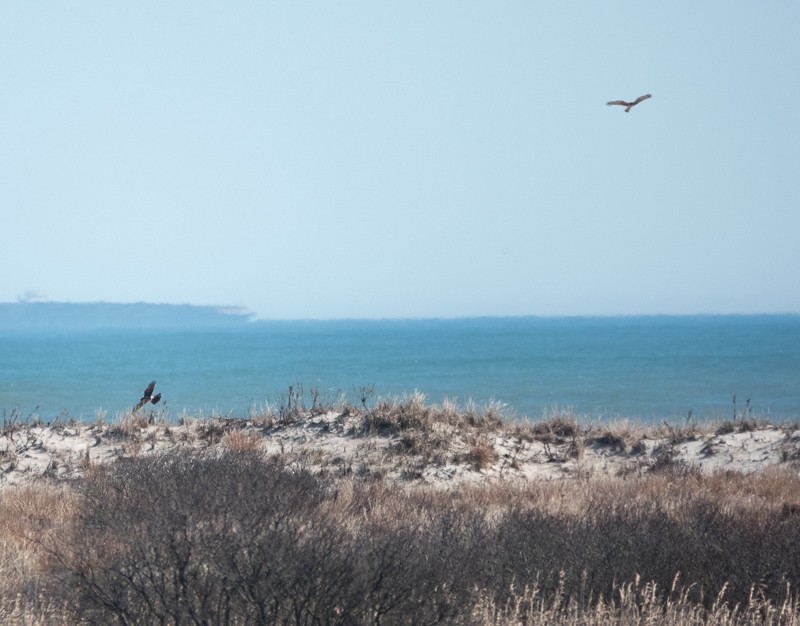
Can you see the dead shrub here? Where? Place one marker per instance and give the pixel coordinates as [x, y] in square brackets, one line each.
[620, 436]
[680, 434]
[612, 440]
[726, 428]
[557, 429]
[213, 430]
[639, 447]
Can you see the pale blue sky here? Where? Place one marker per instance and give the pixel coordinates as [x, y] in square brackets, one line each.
[415, 158]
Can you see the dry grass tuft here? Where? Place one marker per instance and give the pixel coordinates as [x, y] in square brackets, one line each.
[481, 455]
[242, 441]
[637, 603]
[27, 514]
[128, 426]
[619, 436]
[411, 412]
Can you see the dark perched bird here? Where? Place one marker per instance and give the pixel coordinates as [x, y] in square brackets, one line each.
[629, 105]
[148, 396]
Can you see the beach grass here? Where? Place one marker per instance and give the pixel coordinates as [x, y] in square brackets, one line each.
[207, 522]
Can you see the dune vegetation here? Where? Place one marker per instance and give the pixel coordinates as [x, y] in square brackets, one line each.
[398, 512]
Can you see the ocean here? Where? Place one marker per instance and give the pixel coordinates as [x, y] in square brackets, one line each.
[648, 369]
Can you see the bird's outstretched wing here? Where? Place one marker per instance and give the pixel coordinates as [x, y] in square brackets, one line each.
[629, 105]
[148, 393]
[156, 398]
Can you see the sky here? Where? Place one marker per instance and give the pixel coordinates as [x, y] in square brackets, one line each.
[422, 158]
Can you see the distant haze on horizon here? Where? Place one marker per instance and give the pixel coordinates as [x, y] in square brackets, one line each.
[115, 312]
[418, 160]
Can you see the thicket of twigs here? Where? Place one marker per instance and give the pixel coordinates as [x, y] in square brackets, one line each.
[232, 537]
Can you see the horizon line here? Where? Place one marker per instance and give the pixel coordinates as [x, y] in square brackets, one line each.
[251, 317]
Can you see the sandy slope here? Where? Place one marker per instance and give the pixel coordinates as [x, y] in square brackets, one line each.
[443, 453]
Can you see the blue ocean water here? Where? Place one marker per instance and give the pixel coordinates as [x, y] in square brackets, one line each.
[643, 368]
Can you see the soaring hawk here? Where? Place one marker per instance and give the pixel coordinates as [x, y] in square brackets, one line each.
[629, 105]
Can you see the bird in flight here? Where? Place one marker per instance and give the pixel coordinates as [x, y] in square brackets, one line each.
[148, 396]
[629, 105]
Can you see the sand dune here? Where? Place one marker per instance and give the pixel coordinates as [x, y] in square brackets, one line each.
[441, 447]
